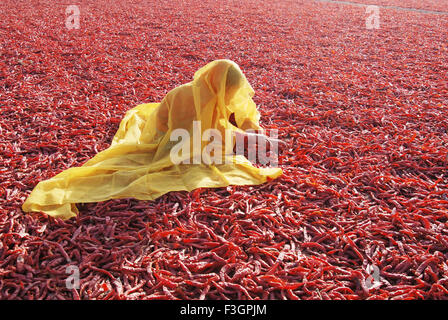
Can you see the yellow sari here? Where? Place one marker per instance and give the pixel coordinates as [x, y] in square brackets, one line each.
[138, 163]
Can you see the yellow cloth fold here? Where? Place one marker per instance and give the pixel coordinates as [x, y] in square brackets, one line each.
[138, 164]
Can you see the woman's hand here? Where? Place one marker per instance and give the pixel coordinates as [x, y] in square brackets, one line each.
[250, 141]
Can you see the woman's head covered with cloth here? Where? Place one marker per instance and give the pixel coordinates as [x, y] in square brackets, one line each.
[227, 81]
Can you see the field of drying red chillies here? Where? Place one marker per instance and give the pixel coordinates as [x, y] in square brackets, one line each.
[364, 112]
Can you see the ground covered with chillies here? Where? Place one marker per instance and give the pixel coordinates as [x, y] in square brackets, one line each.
[430, 5]
[365, 182]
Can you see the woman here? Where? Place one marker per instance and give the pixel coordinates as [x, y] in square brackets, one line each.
[139, 164]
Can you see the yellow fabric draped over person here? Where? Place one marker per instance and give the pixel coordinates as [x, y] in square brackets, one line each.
[138, 163]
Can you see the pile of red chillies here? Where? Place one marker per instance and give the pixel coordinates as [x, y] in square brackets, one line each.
[365, 184]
